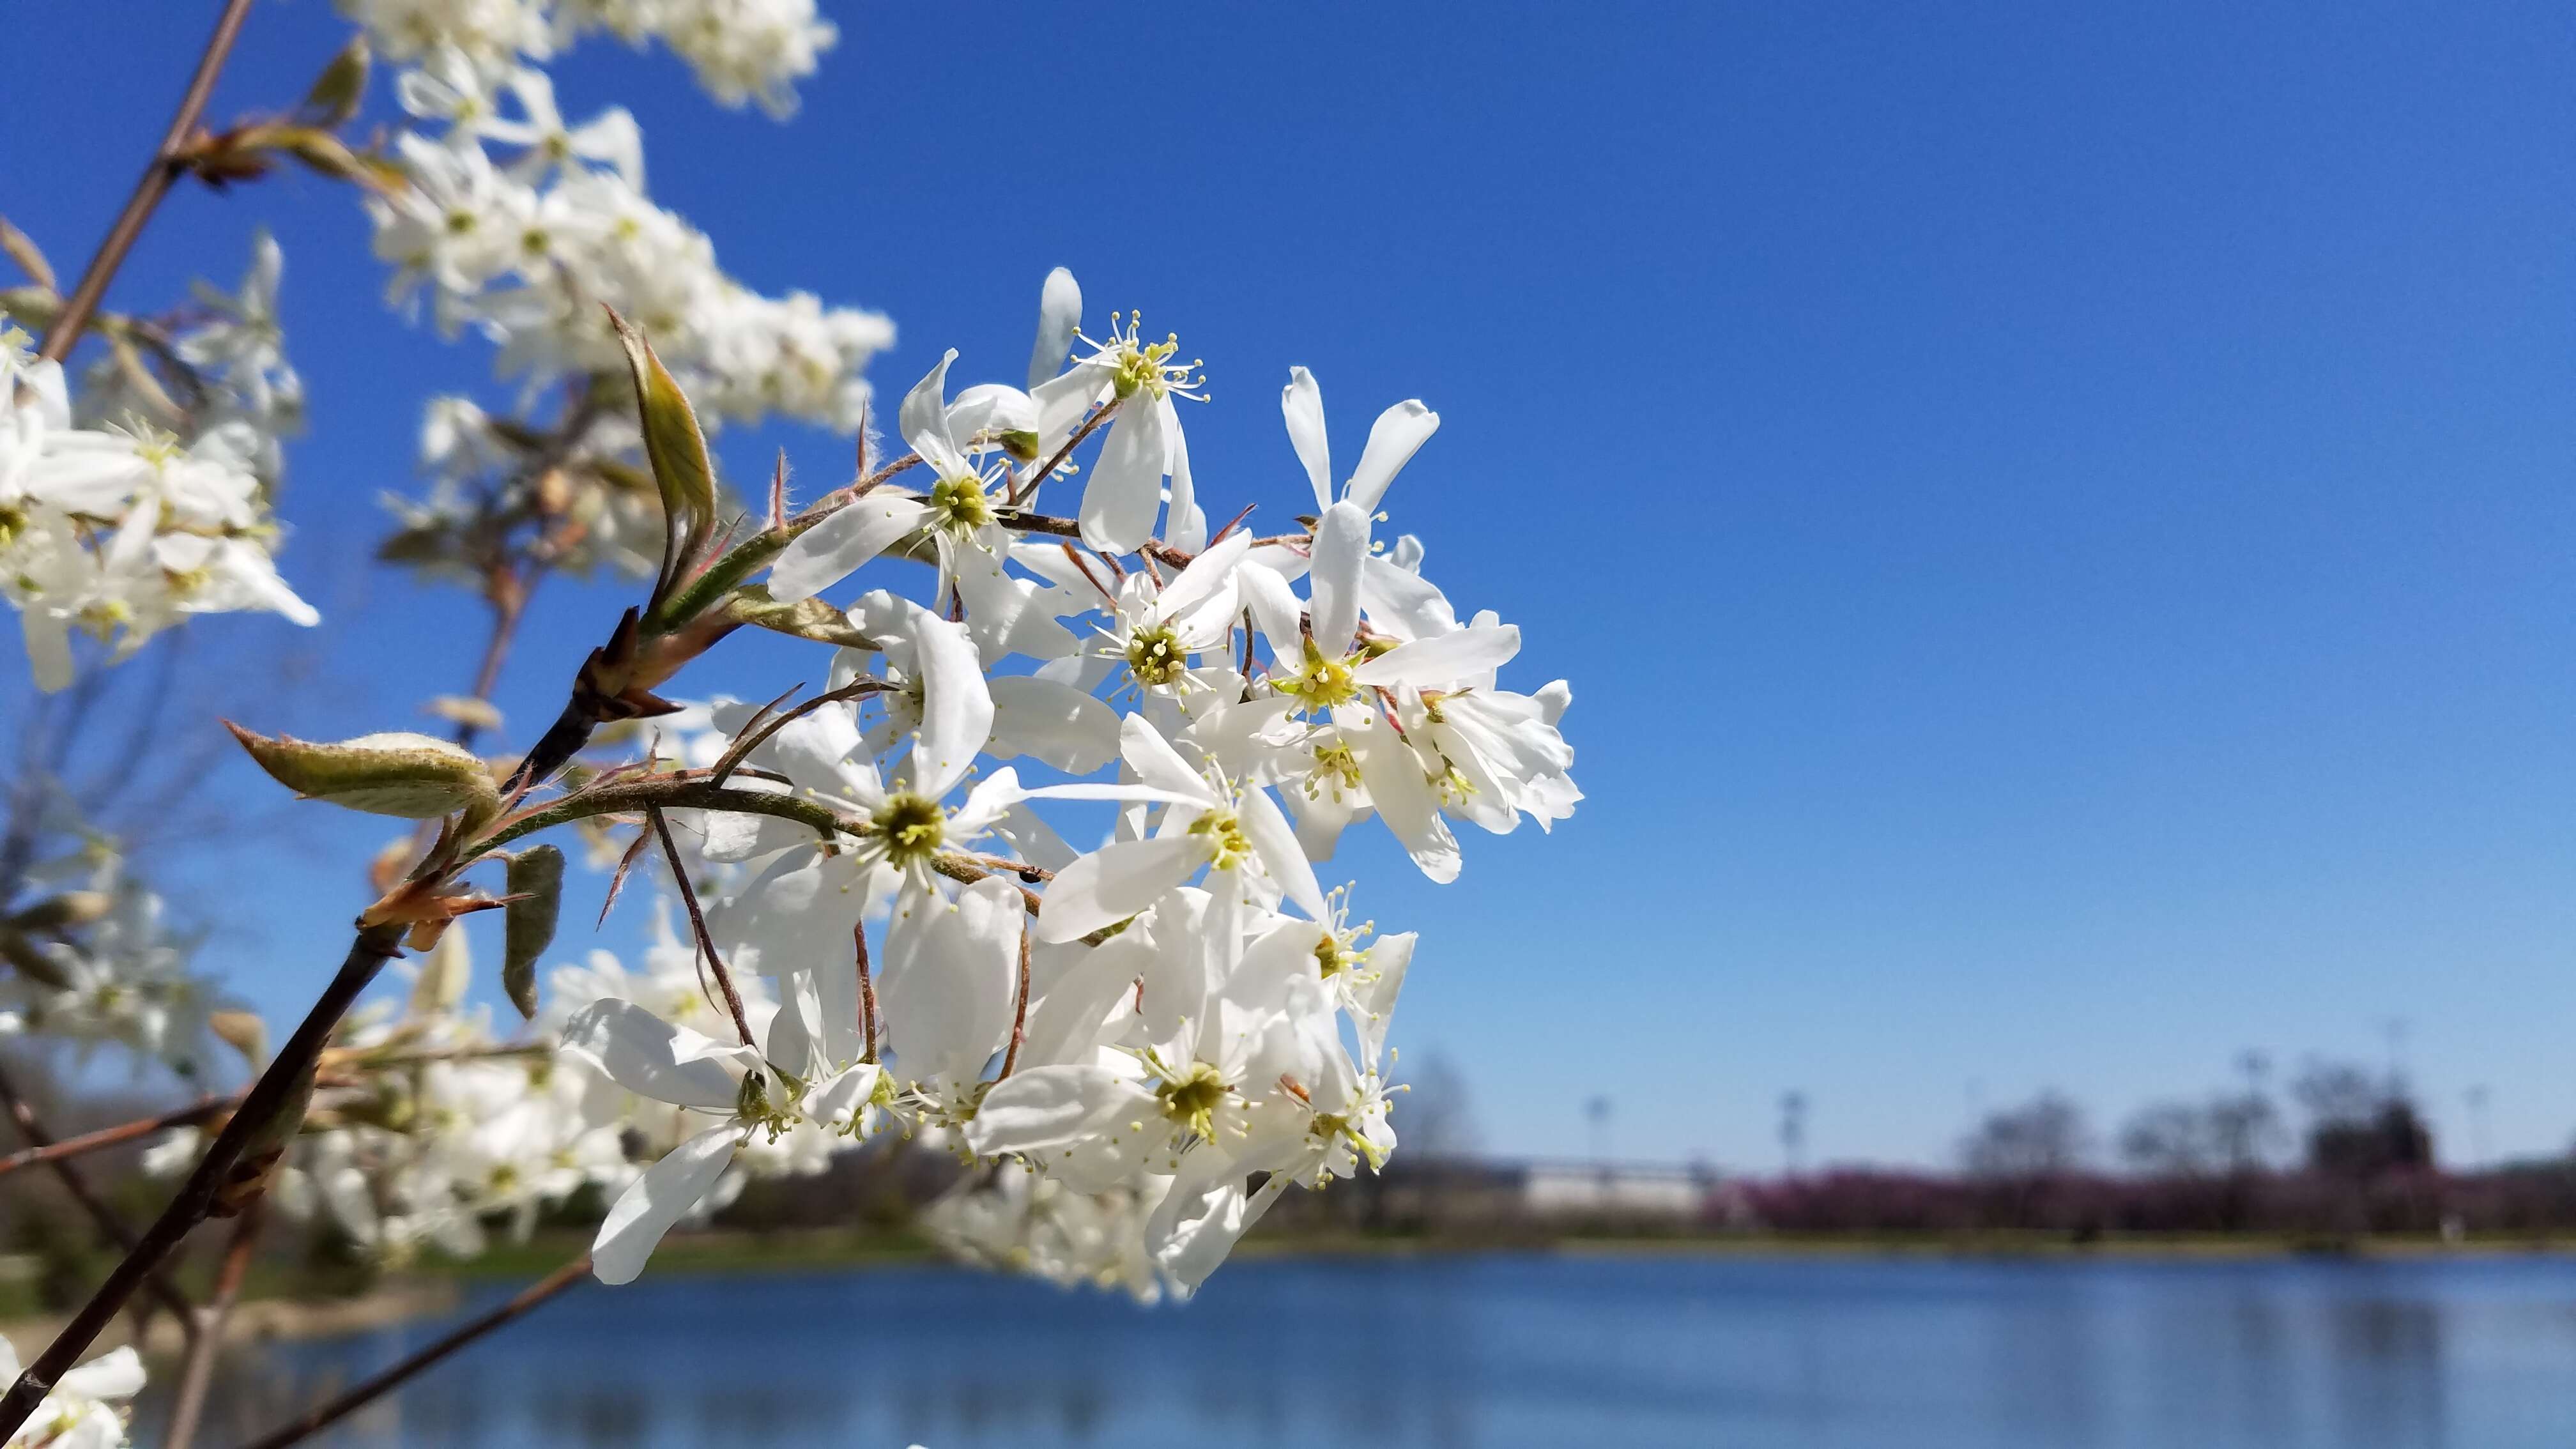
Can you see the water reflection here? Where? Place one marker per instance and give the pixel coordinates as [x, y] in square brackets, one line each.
[1505, 1352]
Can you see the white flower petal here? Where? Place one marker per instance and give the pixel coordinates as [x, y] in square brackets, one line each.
[949, 982]
[835, 548]
[1463, 657]
[1047, 1109]
[116, 1375]
[661, 1197]
[796, 915]
[1115, 882]
[1392, 439]
[1274, 609]
[1052, 722]
[1059, 318]
[1401, 791]
[924, 421]
[1303, 404]
[1402, 602]
[1333, 587]
[652, 1058]
[1274, 840]
[1125, 489]
[957, 709]
[1199, 582]
[1156, 763]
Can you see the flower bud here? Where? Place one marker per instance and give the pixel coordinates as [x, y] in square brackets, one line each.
[408, 775]
[444, 975]
[244, 1032]
[63, 912]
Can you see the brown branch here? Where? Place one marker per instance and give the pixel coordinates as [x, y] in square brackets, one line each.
[1019, 1010]
[197, 1372]
[168, 160]
[965, 871]
[315, 1420]
[867, 994]
[105, 1137]
[509, 599]
[698, 923]
[1027, 488]
[77, 1183]
[270, 1100]
[671, 791]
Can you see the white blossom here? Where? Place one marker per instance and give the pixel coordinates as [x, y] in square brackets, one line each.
[87, 1410]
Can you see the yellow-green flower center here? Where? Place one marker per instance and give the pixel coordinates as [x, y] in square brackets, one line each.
[1320, 683]
[1334, 762]
[756, 1105]
[1224, 832]
[1156, 656]
[1140, 367]
[913, 828]
[1192, 1098]
[1333, 956]
[1329, 1125]
[958, 505]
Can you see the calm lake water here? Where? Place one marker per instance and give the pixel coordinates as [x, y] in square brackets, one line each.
[1507, 1351]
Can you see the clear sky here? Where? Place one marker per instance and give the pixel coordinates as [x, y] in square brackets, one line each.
[2057, 517]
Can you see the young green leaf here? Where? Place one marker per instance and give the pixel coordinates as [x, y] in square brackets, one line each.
[682, 471]
[805, 618]
[407, 775]
[342, 84]
[536, 885]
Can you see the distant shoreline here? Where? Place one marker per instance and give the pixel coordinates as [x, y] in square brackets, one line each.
[433, 1287]
[826, 1248]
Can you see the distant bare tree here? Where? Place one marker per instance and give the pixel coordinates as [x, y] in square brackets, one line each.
[2245, 1130]
[1436, 1116]
[2170, 1139]
[2041, 1138]
[2235, 1132]
[2338, 1092]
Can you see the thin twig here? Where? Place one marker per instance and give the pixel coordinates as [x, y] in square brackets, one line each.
[77, 1184]
[188, 1116]
[509, 607]
[168, 160]
[867, 994]
[698, 922]
[671, 791]
[197, 1373]
[268, 1100]
[760, 730]
[323, 1416]
[1027, 488]
[1019, 1009]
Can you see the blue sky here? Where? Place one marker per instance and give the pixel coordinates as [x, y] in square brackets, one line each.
[2057, 517]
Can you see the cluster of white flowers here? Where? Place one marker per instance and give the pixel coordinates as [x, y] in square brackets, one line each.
[121, 527]
[427, 1130]
[595, 509]
[742, 50]
[1011, 1219]
[96, 963]
[1183, 1024]
[87, 1410]
[527, 244]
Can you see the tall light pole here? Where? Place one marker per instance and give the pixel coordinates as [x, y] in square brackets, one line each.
[1793, 1130]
